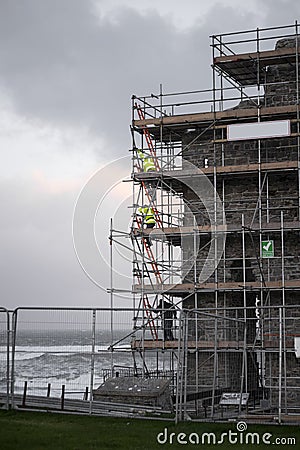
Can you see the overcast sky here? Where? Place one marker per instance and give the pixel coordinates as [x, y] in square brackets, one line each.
[68, 69]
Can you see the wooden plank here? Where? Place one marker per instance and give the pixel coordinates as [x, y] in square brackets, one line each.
[276, 226]
[205, 229]
[178, 175]
[178, 230]
[160, 344]
[211, 287]
[267, 56]
[254, 167]
[275, 343]
[222, 344]
[230, 114]
[206, 345]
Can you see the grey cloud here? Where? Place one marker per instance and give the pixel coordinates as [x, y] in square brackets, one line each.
[61, 63]
[38, 265]
[37, 270]
[280, 12]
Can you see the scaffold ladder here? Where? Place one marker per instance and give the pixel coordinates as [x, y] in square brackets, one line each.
[150, 318]
[154, 157]
[148, 137]
[147, 308]
[158, 277]
[151, 203]
[150, 254]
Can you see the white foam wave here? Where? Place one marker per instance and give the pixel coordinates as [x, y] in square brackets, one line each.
[31, 352]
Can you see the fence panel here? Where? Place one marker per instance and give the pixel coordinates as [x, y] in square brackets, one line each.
[4, 358]
[60, 357]
[52, 352]
[213, 362]
[240, 362]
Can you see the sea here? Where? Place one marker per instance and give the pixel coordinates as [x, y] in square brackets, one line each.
[50, 359]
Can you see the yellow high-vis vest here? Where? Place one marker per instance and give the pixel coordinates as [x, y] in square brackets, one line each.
[148, 214]
[148, 163]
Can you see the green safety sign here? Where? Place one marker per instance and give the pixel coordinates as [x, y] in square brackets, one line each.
[267, 249]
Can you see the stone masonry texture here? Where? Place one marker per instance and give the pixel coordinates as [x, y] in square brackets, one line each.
[241, 196]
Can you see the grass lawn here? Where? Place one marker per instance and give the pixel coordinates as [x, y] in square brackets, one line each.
[43, 431]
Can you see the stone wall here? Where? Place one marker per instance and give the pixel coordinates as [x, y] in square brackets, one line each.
[290, 395]
[281, 79]
[241, 194]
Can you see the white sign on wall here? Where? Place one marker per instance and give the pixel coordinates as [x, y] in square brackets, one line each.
[258, 130]
[234, 398]
[297, 347]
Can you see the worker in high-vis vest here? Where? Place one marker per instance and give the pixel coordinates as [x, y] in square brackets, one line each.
[148, 216]
[149, 220]
[147, 161]
[148, 166]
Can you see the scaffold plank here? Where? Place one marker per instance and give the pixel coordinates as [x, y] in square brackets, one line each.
[205, 229]
[184, 288]
[201, 345]
[160, 344]
[267, 57]
[227, 115]
[232, 169]
[282, 165]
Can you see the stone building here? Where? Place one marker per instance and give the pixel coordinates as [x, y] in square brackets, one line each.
[242, 320]
[261, 183]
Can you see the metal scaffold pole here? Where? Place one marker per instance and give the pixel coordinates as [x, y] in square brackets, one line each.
[92, 369]
[111, 297]
[280, 367]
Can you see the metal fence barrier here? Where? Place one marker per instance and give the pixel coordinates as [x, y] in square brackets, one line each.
[4, 357]
[239, 362]
[222, 364]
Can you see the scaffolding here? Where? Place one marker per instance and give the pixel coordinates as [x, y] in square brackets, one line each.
[221, 268]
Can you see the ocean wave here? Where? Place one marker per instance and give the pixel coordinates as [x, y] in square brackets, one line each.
[34, 352]
[58, 366]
